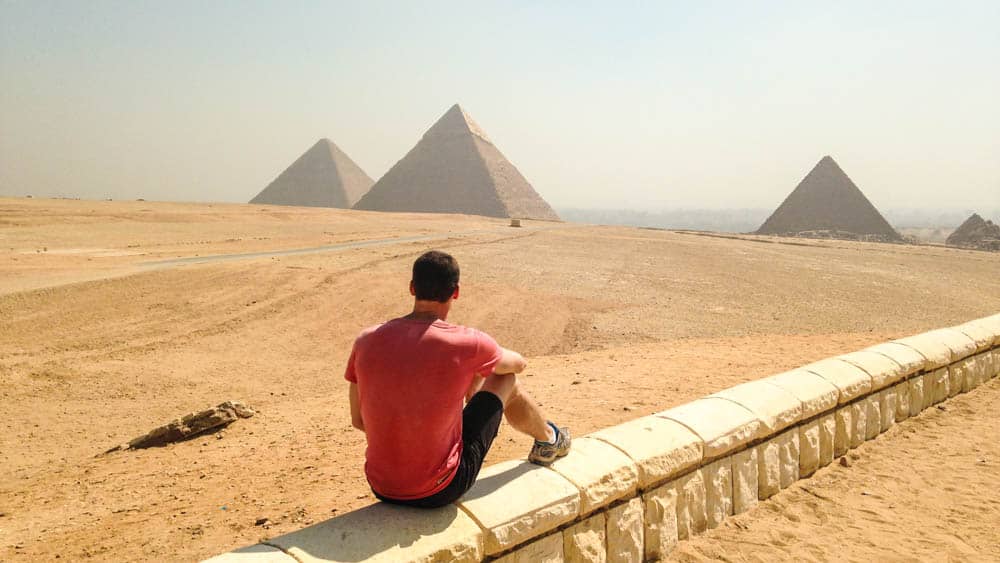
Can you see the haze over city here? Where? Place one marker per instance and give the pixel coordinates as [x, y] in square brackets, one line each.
[624, 106]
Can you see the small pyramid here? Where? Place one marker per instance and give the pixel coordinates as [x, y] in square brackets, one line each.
[322, 177]
[827, 203]
[455, 168]
[976, 232]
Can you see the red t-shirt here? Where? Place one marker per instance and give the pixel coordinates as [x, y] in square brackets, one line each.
[412, 376]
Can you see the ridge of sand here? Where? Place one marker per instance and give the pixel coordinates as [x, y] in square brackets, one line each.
[828, 204]
[455, 168]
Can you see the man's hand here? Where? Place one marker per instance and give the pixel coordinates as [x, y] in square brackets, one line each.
[356, 408]
[511, 362]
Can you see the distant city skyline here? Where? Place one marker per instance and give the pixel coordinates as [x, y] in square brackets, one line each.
[716, 105]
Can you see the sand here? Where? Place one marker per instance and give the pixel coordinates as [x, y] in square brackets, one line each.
[616, 322]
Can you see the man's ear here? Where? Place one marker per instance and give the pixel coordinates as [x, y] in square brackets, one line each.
[413, 291]
[455, 295]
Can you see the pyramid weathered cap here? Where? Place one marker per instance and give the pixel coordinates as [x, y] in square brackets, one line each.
[324, 176]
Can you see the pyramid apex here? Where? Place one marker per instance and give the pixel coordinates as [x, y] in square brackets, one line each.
[457, 120]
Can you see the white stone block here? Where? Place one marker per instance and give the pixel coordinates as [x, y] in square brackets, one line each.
[873, 416]
[809, 448]
[850, 380]
[827, 433]
[883, 370]
[995, 363]
[845, 425]
[585, 542]
[788, 457]
[385, 532]
[941, 347]
[979, 332]
[859, 418]
[516, 501]
[661, 521]
[768, 468]
[961, 376]
[691, 516]
[599, 470]
[776, 408]
[887, 406]
[917, 394]
[660, 448]
[718, 477]
[939, 386]
[744, 480]
[816, 394]
[909, 359]
[722, 425]
[253, 554]
[625, 531]
[902, 401]
[545, 550]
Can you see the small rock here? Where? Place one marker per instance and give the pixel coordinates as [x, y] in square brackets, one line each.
[262, 521]
[626, 408]
[942, 408]
[844, 462]
[576, 382]
[865, 494]
[362, 496]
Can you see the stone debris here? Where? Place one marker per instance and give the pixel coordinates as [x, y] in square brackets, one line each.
[977, 233]
[324, 176]
[827, 204]
[189, 426]
[455, 168]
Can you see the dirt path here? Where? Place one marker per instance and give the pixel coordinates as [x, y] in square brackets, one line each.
[926, 490]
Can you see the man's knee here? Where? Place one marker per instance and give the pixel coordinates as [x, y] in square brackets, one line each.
[503, 386]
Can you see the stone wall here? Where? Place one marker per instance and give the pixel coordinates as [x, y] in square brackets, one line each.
[632, 491]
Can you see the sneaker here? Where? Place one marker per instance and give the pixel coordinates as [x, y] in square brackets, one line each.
[544, 453]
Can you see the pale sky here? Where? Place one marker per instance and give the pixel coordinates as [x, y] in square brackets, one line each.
[639, 105]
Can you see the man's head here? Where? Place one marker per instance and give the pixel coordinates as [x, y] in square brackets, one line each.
[435, 277]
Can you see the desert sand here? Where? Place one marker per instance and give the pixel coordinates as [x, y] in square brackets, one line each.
[106, 332]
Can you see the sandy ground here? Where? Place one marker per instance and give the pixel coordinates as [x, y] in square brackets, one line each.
[97, 346]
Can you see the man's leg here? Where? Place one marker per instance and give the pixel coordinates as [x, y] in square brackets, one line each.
[521, 411]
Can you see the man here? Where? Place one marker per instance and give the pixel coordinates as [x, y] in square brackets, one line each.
[408, 379]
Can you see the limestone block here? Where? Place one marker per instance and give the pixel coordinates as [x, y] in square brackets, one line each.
[661, 513]
[660, 448]
[995, 363]
[585, 541]
[815, 393]
[745, 480]
[909, 359]
[515, 501]
[722, 425]
[979, 332]
[776, 408]
[768, 468]
[599, 470]
[939, 386]
[691, 516]
[916, 395]
[545, 550]
[992, 323]
[718, 477]
[253, 554]
[809, 448]
[902, 400]
[850, 380]
[887, 406]
[962, 376]
[625, 525]
[859, 420]
[842, 439]
[883, 370]
[873, 415]
[827, 433]
[941, 347]
[788, 457]
[385, 532]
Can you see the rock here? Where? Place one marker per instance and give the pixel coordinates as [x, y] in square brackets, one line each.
[844, 462]
[262, 521]
[189, 426]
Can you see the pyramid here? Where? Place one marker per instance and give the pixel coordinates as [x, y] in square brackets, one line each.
[976, 232]
[455, 168]
[826, 203]
[322, 177]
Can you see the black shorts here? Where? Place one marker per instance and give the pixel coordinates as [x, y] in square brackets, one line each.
[480, 423]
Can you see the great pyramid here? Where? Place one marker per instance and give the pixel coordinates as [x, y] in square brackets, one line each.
[322, 177]
[976, 232]
[826, 203]
[455, 168]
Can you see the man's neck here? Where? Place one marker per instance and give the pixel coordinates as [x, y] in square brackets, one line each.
[429, 310]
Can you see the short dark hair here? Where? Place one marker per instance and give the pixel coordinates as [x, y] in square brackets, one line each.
[435, 276]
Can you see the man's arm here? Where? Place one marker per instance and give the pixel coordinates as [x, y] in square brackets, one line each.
[510, 362]
[356, 408]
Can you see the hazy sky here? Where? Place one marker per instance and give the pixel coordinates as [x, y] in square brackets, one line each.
[613, 104]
